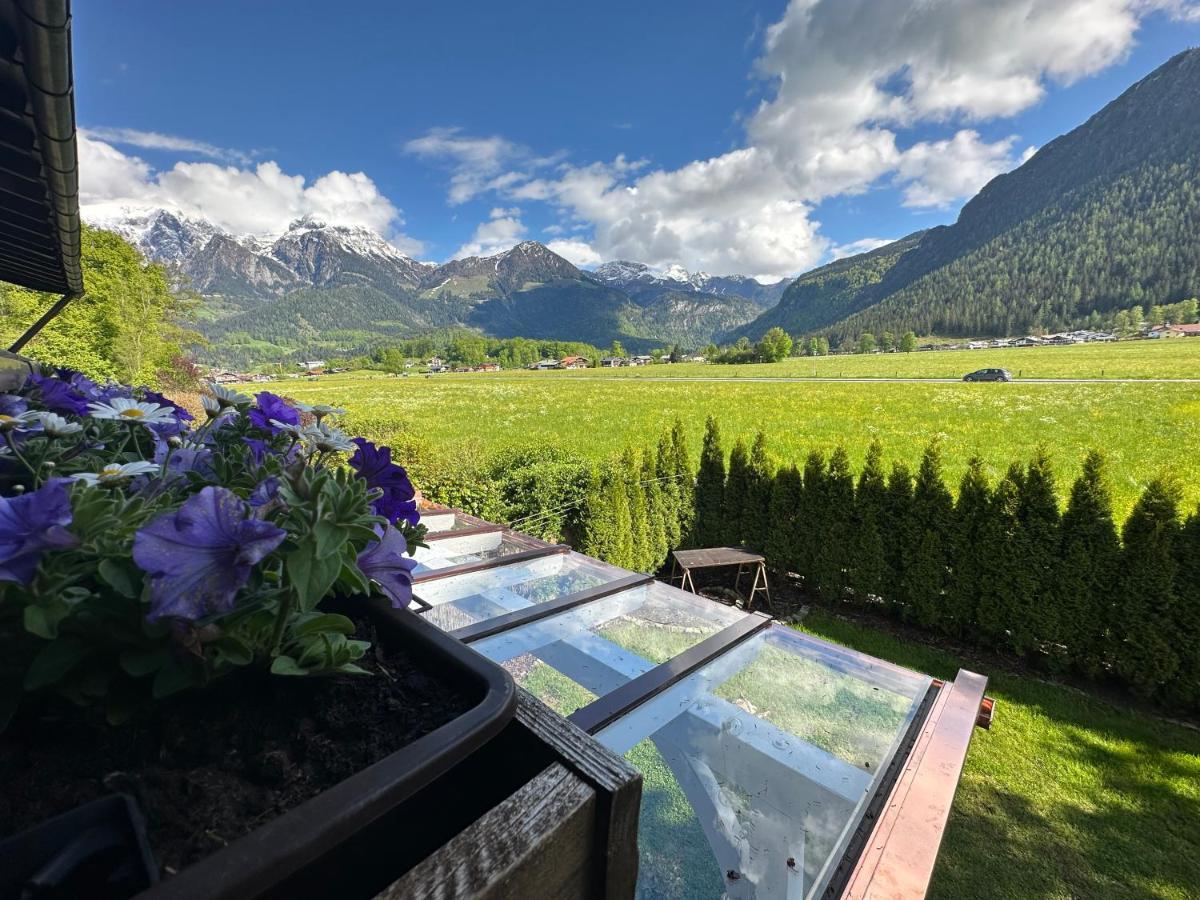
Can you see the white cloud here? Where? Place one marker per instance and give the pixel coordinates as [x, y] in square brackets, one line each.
[942, 172]
[844, 79]
[578, 252]
[261, 200]
[501, 232]
[154, 140]
[477, 164]
[863, 245]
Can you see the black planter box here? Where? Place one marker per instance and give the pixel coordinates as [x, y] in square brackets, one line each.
[345, 841]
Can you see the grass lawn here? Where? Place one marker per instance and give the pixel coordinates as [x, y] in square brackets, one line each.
[1145, 428]
[1166, 358]
[1065, 797]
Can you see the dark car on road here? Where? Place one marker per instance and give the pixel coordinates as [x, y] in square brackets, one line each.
[989, 375]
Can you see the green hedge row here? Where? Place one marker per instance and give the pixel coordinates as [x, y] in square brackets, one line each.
[1005, 565]
[1002, 565]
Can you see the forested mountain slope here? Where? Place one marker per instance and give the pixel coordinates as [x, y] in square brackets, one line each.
[1104, 217]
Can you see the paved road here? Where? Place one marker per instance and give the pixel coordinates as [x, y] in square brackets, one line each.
[817, 380]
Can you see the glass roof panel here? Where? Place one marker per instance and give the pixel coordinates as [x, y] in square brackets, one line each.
[452, 551]
[439, 521]
[766, 754]
[570, 659]
[460, 600]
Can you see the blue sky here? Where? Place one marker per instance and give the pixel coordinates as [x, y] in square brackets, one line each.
[761, 137]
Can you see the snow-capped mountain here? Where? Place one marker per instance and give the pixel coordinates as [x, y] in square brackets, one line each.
[645, 283]
[309, 253]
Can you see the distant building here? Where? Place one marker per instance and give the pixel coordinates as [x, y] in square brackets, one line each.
[613, 362]
[488, 367]
[574, 362]
[543, 364]
[641, 360]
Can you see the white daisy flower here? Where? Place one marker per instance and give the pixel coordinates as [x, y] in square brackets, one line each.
[56, 426]
[321, 410]
[294, 430]
[19, 422]
[325, 438]
[114, 473]
[227, 398]
[121, 409]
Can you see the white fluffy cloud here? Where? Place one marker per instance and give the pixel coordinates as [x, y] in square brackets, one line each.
[259, 200]
[579, 252]
[940, 172]
[155, 140]
[845, 81]
[499, 233]
[862, 245]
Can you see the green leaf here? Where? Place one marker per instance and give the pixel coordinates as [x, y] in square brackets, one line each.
[54, 661]
[323, 622]
[171, 679]
[310, 575]
[118, 578]
[285, 665]
[43, 622]
[328, 536]
[352, 669]
[235, 651]
[140, 663]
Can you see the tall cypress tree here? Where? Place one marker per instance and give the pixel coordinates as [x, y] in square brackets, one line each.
[971, 531]
[832, 557]
[787, 489]
[1185, 686]
[756, 513]
[710, 489]
[640, 559]
[685, 480]
[811, 519]
[1038, 515]
[656, 514]
[895, 531]
[737, 486]
[925, 556]
[1087, 571]
[598, 517]
[668, 485]
[1004, 580]
[1146, 657]
[869, 572]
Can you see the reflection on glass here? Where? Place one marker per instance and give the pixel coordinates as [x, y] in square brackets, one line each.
[570, 659]
[448, 520]
[771, 752]
[461, 600]
[453, 551]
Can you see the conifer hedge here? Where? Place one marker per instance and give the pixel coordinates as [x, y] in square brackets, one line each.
[1003, 565]
[1009, 564]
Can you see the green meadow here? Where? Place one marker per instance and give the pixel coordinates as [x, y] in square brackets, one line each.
[1145, 428]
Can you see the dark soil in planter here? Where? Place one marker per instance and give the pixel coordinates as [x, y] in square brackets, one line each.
[213, 765]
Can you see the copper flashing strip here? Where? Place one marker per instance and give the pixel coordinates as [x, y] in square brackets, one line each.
[902, 850]
[484, 564]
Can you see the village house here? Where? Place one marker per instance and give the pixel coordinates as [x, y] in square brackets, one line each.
[574, 362]
[543, 364]
[613, 362]
[641, 360]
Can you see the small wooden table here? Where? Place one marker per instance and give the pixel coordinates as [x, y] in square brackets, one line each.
[712, 557]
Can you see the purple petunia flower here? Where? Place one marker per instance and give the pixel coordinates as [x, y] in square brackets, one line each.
[155, 397]
[12, 405]
[200, 555]
[374, 465]
[386, 563]
[270, 407]
[31, 524]
[264, 493]
[60, 396]
[188, 458]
